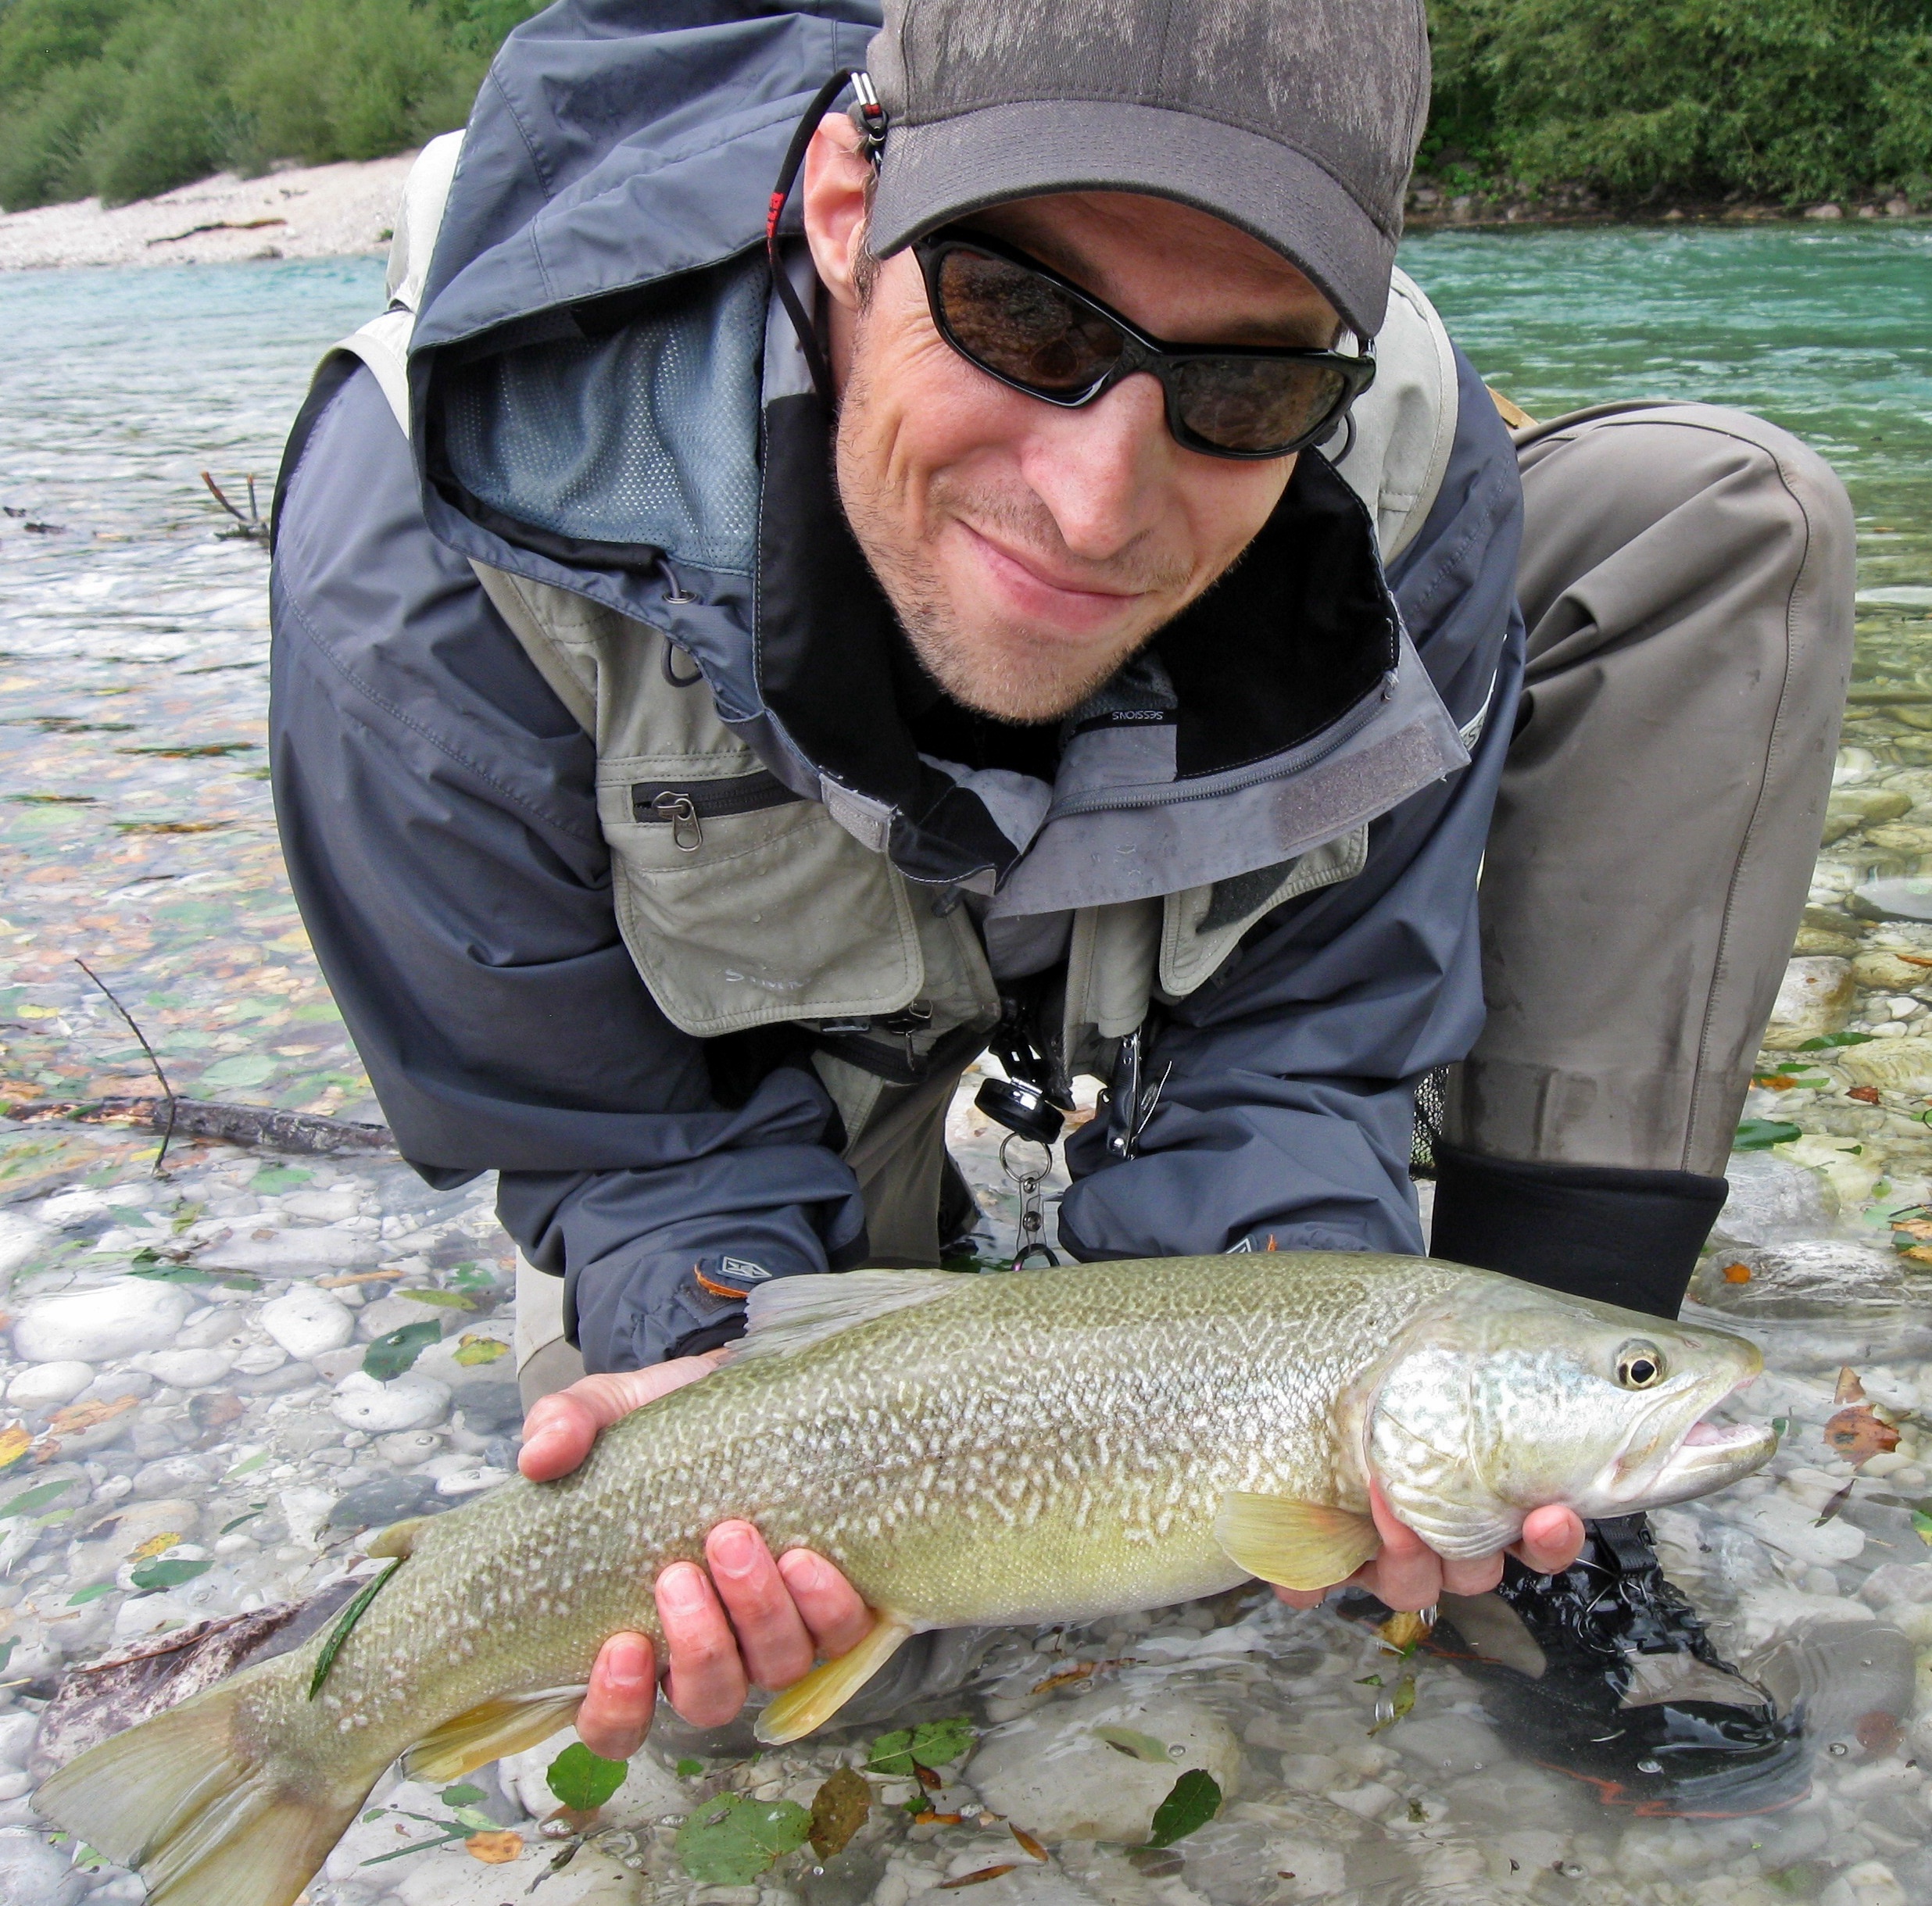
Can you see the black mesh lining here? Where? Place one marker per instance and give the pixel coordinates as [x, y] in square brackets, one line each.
[1297, 633]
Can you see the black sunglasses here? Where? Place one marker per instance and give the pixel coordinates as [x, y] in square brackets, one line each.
[1021, 322]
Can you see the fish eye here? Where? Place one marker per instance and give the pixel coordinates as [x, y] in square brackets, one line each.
[1640, 1366]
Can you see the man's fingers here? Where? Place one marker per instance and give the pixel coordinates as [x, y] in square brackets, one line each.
[559, 1429]
[707, 1680]
[1476, 1577]
[1301, 1598]
[832, 1607]
[772, 1642]
[616, 1714]
[1552, 1540]
[1408, 1573]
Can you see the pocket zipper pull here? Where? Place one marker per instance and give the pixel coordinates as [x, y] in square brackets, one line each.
[682, 811]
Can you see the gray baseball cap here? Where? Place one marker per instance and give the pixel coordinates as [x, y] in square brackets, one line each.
[1296, 120]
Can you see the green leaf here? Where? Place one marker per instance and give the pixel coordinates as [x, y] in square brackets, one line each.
[1921, 1527]
[229, 1528]
[463, 1795]
[688, 1769]
[6, 1650]
[1369, 1681]
[167, 1571]
[729, 1841]
[1138, 1746]
[350, 1616]
[421, 1845]
[932, 1744]
[446, 1299]
[1195, 1801]
[260, 1460]
[39, 1497]
[583, 1781]
[1399, 1705]
[279, 1178]
[1755, 1134]
[1826, 1041]
[93, 1594]
[474, 1350]
[389, 1356]
[1780, 1427]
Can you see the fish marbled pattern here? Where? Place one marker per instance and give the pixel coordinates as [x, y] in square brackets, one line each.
[1053, 1445]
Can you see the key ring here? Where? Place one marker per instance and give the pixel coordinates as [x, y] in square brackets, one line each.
[1029, 1242]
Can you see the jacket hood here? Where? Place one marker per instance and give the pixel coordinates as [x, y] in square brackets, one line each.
[605, 395]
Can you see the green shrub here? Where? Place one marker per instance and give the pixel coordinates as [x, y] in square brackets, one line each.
[1793, 99]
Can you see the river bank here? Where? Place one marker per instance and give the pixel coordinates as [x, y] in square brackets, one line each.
[338, 211]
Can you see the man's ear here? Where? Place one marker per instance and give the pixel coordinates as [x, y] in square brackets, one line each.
[836, 175]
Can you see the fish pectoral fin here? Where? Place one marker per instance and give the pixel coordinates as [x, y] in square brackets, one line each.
[811, 1702]
[1296, 1545]
[398, 1540]
[490, 1732]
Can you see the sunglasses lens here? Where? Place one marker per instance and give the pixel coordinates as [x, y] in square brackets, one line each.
[1253, 405]
[1021, 326]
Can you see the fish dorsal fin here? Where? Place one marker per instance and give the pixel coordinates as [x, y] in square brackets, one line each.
[788, 1315]
[1296, 1545]
[811, 1702]
[490, 1732]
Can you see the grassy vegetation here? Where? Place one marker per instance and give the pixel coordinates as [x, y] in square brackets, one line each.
[127, 97]
[1637, 99]
[1633, 99]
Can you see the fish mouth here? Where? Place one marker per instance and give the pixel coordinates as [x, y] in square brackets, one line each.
[1708, 1456]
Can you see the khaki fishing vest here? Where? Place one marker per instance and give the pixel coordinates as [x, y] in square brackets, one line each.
[745, 905]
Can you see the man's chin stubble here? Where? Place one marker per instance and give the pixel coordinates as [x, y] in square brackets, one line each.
[1005, 673]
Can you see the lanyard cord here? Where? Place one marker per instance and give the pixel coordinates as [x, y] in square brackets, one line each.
[794, 310]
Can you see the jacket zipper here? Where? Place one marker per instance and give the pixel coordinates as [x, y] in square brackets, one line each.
[685, 806]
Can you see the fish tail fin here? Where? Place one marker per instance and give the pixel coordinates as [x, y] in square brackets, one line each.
[204, 1817]
[812, 1702]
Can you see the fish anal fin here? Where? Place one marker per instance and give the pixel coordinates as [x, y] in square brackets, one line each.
[786, 1314]
[398, 1539]
[489, 1733]
[1296, 1545]
[811, 1702]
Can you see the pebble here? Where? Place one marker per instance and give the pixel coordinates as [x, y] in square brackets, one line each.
[21, 1239]
[46, 1386]
[96, 1326]
[1812, 1277]
[187, 1369]
[392, 1312]
[407, 1402]
[1814, 998]
[1053, 1769]
[391, 1499]
[33, 1873]
[307, 1322]
[299, 1253]
[1771, 1198]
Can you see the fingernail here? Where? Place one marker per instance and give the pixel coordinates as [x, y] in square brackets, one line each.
[733, 1547]
[680, 1589]
[803, 1573]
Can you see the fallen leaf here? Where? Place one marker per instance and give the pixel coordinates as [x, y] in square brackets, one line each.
[496, 1848]
[1865, 1095]
[1029, 1845]
[1850, 1389]
[1922, 1526]
[79, 1416]
[156, 1545]
[1135, 1745]
[1878, 1733]
[839, 1809]
[926, 1778]
[1837, 1502]
[472, 1350]
[1192, 1802]
[928, 1818]
[932, 1744]
[1919, 1254]
[978, 1879]
[1401, 1632]
[1859, 1433]
[15, 1442]
[1737, 1274]
[583, 1781]
[1080, 1671]
[730, 1840]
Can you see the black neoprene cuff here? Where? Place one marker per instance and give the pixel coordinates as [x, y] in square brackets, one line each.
[1625, 1237]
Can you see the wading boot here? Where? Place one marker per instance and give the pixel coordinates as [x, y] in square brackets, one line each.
[1605, 1673]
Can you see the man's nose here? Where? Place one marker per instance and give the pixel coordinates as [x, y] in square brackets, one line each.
[1098, 469]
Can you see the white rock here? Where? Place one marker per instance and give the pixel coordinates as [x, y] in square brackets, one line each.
[307, 1322]
[452, 1879]
[472, 1480]
[45, 1386]
[299, 1253]
[17, 1730]
[392, 1313]
[186, 1369]
[94, 1326]
[409, 1402]
[1816, 998]
[259, 1359]
[307, 1513]
[1052, 1771]
[19, 1239]
[33, 1873]
[1790, 1525]
[1771, 1198]
[333, 1206]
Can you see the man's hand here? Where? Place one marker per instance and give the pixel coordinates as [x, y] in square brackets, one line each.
[752, 1620]
[1409, 1574]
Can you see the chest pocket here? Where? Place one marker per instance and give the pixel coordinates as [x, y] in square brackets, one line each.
[741, 904]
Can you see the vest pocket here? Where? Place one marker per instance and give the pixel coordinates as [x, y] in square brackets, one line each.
[743, 904]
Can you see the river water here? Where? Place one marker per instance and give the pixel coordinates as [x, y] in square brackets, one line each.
[206, 1441]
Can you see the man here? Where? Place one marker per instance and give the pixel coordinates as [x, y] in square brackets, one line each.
[735, 697]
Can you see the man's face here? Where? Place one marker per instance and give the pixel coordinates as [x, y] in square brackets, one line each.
[1029, 551]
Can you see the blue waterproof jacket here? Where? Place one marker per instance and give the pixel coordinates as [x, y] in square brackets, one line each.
[598, 403]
